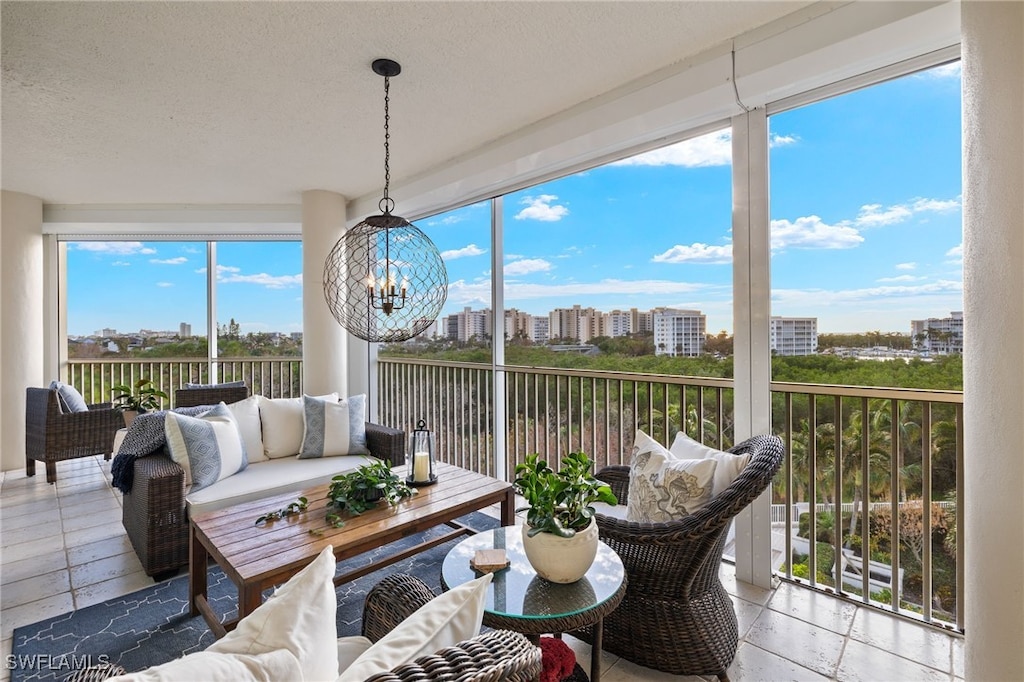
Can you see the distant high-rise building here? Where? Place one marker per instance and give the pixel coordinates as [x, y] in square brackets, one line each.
[517, 323]
[794, 335]
[539, 328]
[679, 332]
[105, 332]
[576, 323]
[184, 330]
[617, 323]
[940, 335]
[471, 324]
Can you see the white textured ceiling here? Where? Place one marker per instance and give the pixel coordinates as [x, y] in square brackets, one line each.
[255, 102]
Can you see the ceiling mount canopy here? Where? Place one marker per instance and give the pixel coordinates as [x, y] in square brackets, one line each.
[385, 280]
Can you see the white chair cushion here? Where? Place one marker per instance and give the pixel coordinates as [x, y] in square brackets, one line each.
[247, 416]
[444, 621]
[350, 649]
[729, 465]
[272, 666]
[333, 427]
[299, 617]
[268, 478]
[281, 420]
[209, 448]
[664, 488]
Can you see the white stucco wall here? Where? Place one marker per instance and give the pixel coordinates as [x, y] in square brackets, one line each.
[21, 318]
[324, 345]
[993, 127]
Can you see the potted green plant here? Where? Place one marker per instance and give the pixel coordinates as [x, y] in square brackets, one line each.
[560, 534]
[137, 399]
[363, 489]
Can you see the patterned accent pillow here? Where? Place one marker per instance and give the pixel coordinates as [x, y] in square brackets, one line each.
[729, 465]
[69, 397]
[333, 428]
[209, 448]
[664, 488]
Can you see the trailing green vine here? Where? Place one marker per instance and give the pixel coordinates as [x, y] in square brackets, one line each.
[296, 507]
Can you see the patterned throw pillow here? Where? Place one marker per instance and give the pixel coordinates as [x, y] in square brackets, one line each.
[664, 488]
[333, 428]
[209, 448]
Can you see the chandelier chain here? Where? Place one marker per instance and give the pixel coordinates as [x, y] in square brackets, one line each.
[387, 144]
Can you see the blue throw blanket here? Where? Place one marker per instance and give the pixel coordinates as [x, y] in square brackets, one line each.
[145, 436]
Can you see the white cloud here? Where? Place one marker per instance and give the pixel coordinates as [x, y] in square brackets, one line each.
[810, 232]
[696, 253]
[115, 248]
[471, 250]
[956, 252]
[541, 208]
[121, 263]
[261, 279]
[179, 260]
[463, 293]
[901, 278]
[951, 70]
[906, 266]
[872, 215]
[822, 298]
[712, 149]
[527, 266]
[165, 284]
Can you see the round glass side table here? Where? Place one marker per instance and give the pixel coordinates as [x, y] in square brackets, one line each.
[520, 600]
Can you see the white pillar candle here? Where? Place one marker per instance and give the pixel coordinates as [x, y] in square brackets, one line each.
[421, 467]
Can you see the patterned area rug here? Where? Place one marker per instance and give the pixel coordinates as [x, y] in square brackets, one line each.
[152, 626]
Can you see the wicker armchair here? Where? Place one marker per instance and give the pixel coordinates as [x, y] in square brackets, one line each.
[676, 616]
[490, 656]
[52, 435]
[192, 397]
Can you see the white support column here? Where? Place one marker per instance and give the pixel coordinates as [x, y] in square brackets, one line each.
[212, 335]
[993, 210]
[498, 335]
[21, 318]
[325, 347]
[55, 315]
[751, 313]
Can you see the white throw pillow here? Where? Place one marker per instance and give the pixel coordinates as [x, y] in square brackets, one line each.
[333, 428]
[272, 666]
[350, 649]
[729, 465]
[664, 488]
[281, 420]
[69, 397]
[299, 617]
[247, 416]
[444, 621]
[209, 448]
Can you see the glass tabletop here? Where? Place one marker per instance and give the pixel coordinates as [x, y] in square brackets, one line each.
[519, 592]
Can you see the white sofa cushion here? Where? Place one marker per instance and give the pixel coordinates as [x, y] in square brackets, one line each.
[281, 420]
[729, 465]
[269, 478]
[247, 417]
[209, 448]
[664, 488]
[333, 427]
[299, 617]
[444, 621]
[272, 666]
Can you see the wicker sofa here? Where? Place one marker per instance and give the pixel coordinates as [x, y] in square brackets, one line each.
[155, 509]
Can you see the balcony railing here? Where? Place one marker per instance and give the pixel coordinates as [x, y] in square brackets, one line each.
[876, 453]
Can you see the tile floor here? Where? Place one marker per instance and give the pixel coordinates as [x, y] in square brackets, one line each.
[63, 548]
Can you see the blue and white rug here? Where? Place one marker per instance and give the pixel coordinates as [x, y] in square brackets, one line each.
[152, 626]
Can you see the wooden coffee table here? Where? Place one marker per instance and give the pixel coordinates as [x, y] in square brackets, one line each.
[256, 558]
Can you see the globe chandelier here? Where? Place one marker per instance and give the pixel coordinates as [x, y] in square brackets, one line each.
[385, 280]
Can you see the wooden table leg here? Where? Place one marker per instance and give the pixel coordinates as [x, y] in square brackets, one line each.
[197, 559]
[508, 508]
[249, 599]
[595, 652]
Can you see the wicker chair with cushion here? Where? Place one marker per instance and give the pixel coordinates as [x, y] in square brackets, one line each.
[676, 615]
[493, 655]
[54, 434]
[210, 395]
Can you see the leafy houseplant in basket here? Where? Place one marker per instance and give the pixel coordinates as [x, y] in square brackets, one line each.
[363, 489]
[560, 534]
[141, 397]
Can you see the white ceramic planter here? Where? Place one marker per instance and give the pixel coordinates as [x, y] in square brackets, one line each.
[561, 560]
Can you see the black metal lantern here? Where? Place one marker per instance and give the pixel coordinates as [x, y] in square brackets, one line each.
[419, 459]
[385, 280]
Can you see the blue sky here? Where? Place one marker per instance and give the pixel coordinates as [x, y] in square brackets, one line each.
[866, 232]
